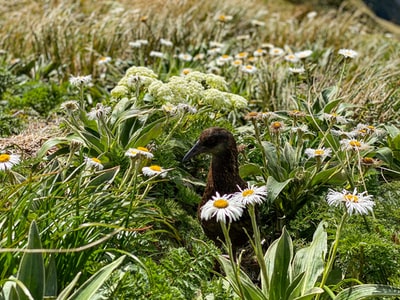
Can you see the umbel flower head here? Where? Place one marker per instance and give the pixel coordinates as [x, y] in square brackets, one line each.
[7, 161]
[224, 208]
[251, 195]
[357, 203]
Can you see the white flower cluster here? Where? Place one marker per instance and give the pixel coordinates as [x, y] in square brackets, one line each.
[135, 78]
[196, 88]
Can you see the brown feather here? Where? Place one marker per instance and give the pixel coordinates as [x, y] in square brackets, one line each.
[223, 177]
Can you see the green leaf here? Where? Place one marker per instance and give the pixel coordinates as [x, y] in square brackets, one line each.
[51, 278]
[366, 291]
[251, 291]
[310, 262]
[249, 170]
[89, 288]
[31, 268]
[278, 266]
[150, 132]
[274, 187]
[331, 176]
[106, 176]
[68, 289]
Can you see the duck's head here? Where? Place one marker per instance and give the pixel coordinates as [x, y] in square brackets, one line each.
[214, 140]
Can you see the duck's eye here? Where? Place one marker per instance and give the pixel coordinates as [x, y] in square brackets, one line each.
[211, 142]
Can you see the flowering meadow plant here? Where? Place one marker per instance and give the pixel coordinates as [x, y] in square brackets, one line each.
[99, 205]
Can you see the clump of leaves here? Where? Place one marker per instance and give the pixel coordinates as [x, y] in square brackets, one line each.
[41, 96]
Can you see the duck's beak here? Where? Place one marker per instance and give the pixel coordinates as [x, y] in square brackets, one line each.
[196, 149]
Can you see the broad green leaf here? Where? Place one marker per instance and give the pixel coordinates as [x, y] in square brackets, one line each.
[149, 133]
[368, 290]
[274, 187]
[251, 291]
[51, 278]
[249, 170]
[31, 268]
[310, 261]
[331, 176]
[278, 266]
[68, 289]
[106, 176]
[89, 288]
[310, 294]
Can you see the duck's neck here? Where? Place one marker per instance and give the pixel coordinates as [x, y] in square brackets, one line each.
[224, 172]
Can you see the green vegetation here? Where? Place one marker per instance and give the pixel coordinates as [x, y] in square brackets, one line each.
[106, 208]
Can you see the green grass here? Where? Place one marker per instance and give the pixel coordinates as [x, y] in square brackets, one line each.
[87, 217]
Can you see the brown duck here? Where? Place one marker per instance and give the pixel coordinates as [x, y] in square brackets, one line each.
[223, 177]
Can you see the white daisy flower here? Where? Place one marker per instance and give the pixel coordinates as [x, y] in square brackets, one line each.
[275, 51]
[139, 151]
[223, 208]
[225, 58]
[166, 43]
[94, 162]
[224, 18]
[312, 15]
[214, 51]
[348, 53]
[257, 23]
[335, 117]
[251, 194]
[157, 54]
[303, 54]
[357, 203]
[7, 161]
[259, 52]
[199, 56]
[367, 130]
[291, 58]
[299, 70]
[104, 60]
[248, 69]
[321, 153]
[237, 63]
[241, 55]
[185, 57]
[353, 144]
[80, 80]
[154, 170]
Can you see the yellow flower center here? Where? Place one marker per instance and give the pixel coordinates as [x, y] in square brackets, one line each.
[351, 198]
[225, 56]
[186, 71]
[370, 127]
[237, 62]
[143, 149]
[155, 168]
[368, 160]
[355, 143]
[276, 125]
[4, 158]
[249, 67]
[247, 193]
[260, 51]
[221, 203]
[222, 18]
[96, 160]
[319, 152]
[242, 54]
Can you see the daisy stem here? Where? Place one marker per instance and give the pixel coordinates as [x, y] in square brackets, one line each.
[258, 247]
[235, 267]
[332, 254]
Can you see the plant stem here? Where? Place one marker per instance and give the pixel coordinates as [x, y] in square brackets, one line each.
[258, 247]
[332, 253]
[235, 267]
